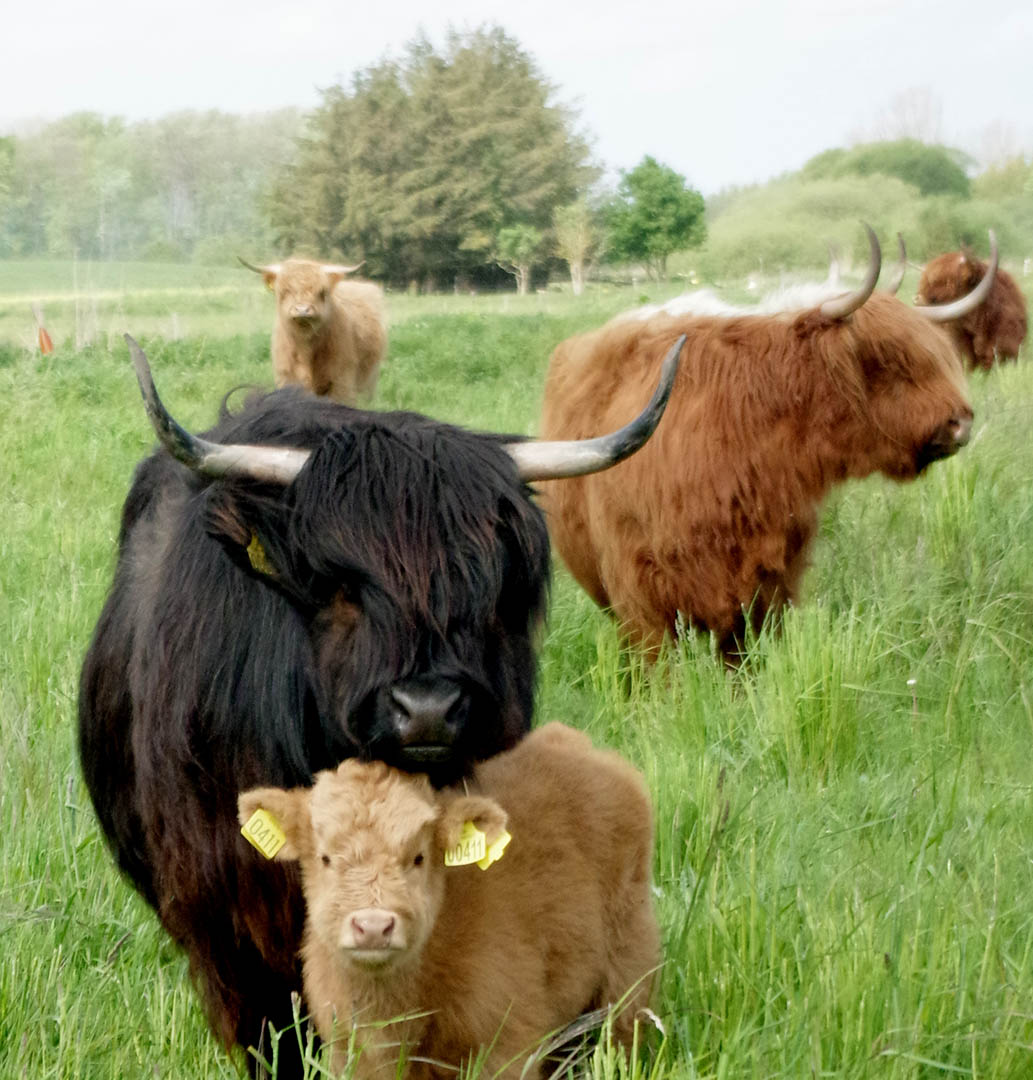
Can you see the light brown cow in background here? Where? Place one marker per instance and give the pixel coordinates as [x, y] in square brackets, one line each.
[712, 522]
[491, 959]
[329, 335]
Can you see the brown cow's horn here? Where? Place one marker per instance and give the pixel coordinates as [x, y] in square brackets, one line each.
[271, 464]
[965, 304]
[554, 460]
[337, 268]
[842, 306]
[273, 268]
[898, 274]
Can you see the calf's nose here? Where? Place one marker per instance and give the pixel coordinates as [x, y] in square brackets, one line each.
[372, 928]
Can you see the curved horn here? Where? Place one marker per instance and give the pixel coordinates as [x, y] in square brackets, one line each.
[269, 464]
[841, 306]
[901, 269]
[962, 306]
[337, 268]
[554, 460]
[273, 268]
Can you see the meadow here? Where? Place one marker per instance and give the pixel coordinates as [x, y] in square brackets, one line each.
[844, 856]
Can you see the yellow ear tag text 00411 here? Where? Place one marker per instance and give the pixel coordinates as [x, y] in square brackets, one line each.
[263, 831]
[473, 847]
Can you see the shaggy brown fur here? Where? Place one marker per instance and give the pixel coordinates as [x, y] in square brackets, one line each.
[495, 958]
[997, 328]
[329, 335]
[715, 515]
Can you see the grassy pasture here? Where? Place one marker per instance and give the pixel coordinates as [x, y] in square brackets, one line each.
[844, 834]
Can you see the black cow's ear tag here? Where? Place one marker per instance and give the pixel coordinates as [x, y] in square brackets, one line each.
[258, 558]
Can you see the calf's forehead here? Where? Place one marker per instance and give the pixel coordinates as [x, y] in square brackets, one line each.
[366, 805]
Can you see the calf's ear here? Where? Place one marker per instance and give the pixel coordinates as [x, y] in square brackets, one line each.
[285, 811]
[486, 815]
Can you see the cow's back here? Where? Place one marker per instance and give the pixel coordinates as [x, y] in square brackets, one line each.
[361, 320]
[587, 387]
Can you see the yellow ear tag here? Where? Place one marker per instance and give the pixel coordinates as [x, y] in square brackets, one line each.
[471, 848]
[259, 559]
[263, 831]
[495, 851]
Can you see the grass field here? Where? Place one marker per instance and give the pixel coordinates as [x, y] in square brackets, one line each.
[844, 852]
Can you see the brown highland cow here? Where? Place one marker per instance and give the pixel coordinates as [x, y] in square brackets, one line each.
[712, 522]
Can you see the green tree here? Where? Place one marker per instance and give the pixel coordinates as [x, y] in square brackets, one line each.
[420, 162]
[516, 249]
[654, 214]
[934, 170]
[578, 240]
[1009, 180]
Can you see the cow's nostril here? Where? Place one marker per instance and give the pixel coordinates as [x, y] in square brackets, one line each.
[422, 713]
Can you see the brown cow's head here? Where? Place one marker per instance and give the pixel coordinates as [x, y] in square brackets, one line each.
[371, 843]
[948, 277]
[303, 290]
[905, 396]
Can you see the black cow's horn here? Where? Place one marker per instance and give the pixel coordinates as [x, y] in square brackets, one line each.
[543, 460]
[841, 306]
[272, 464]
[963, 305]
[554, 460]
[901, 269]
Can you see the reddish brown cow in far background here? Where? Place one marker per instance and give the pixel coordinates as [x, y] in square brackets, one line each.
[714, 518]
[329, 335]
[997, 328]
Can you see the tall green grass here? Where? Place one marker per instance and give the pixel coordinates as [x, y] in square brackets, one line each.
[844, 835]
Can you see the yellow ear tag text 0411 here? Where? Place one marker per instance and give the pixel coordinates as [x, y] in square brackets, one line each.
[263, 831]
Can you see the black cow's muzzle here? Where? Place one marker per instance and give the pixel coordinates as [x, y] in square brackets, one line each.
[425, 715]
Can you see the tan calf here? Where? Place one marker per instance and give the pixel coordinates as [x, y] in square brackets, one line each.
[329, 335]
[491, 959]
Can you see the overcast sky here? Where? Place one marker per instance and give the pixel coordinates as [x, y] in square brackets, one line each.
[727, 92]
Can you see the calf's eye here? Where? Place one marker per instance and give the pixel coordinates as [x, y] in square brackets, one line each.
[326, 860]
[418, 861]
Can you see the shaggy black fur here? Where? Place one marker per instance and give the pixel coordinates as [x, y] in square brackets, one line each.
[406, 551]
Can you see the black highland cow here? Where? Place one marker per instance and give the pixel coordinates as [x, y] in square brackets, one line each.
[306, 583]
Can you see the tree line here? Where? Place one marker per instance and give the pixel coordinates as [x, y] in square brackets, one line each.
[457, 167]
[443, 167]
[184, 186]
